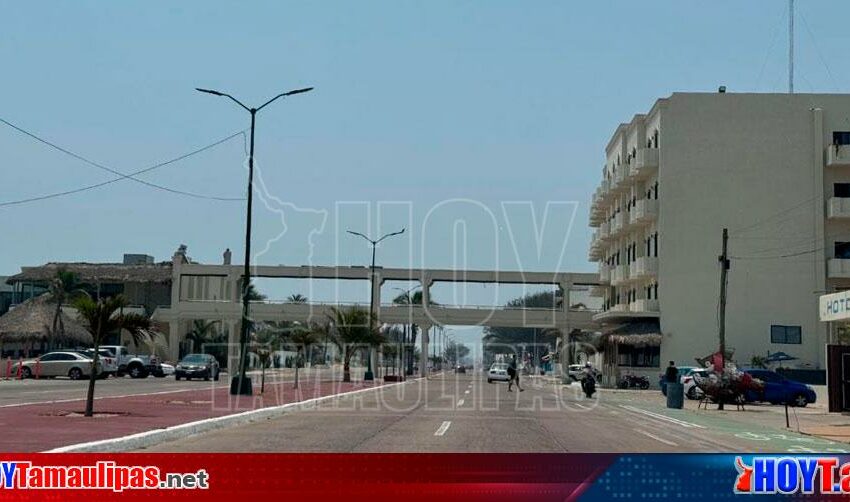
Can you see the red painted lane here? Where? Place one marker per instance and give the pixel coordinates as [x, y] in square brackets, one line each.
[40, 427]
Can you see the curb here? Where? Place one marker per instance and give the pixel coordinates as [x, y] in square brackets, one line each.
[150, 438]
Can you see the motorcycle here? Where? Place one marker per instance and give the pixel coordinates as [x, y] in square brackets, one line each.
[588, 386]
[633, 381]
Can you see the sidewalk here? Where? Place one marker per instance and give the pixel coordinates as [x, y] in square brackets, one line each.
[40, 427]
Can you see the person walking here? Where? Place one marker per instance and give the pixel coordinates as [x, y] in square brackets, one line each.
[513, 375]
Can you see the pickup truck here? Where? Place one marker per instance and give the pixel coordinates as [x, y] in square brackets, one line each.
[137, 366]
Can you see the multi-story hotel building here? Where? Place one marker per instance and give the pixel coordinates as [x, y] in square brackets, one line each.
[772, 168]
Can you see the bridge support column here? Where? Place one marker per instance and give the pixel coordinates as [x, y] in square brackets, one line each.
[175, 334]
[232, 345]
[425, 339]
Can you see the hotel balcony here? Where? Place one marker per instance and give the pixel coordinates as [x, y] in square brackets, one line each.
[838, 207]
[620, 180]
[645, 163]
[618, 224]
[838, 268]
[597, 208]
[619, 275]
[604, 274]
[644, 212]
[644, 306]
[645, 266]
[838, 156]
[621, 310]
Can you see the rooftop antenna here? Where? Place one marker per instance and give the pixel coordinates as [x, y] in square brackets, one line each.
[790, 46]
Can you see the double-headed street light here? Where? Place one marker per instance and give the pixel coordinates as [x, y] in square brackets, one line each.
[241, 383]
[369, 374]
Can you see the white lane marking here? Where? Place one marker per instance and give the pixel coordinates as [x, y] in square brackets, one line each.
[582, 407]
[443, 428]
[460, 403]
[466, 392]
[669, 443]
[661, 417]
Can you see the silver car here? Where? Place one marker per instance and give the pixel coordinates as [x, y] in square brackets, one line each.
[498, 372]
[53, 364]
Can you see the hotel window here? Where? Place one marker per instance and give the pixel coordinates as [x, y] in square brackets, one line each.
[842, 250]
[785, 334]
[841, 137]
[841, 190]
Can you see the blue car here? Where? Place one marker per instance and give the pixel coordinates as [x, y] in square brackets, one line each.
[779, 390]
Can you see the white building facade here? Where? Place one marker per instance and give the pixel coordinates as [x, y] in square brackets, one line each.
[772, 168]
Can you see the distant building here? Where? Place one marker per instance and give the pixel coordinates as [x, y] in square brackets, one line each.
[775, 170]
[5, 295]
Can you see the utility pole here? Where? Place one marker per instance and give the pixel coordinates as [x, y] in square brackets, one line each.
[724, 268]
[790, 46]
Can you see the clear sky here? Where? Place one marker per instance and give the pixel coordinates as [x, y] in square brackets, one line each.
[460, 120]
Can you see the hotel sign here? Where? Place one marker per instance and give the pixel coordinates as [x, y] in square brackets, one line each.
[835, 307]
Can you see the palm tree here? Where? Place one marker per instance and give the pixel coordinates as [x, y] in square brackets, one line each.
[302, 337]
[254, 295]
[103, 317]
[350, 331]
[63, 287]
[410, 299]
[296, 298]
[203, 333]
[266, 340]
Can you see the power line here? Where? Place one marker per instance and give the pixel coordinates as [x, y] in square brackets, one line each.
[775, 215]
[776, 257]
[121, 176]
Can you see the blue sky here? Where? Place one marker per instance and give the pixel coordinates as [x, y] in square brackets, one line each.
[442, 111]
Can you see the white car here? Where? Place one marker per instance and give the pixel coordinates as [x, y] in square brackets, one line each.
[691, 389]
[167, 369]
[106, 359]
[498, 372]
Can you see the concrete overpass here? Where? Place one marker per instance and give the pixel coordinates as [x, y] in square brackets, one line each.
[210, 292]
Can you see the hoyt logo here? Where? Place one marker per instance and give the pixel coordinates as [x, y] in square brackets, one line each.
[784, 475]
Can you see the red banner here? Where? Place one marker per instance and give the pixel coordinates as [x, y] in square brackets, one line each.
[242, 477]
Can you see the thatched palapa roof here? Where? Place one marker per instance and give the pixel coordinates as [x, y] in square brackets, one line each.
[92, 273]
[32, 320]
[636, 334]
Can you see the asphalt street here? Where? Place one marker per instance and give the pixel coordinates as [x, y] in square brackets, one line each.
[463, 413]
[32, 391]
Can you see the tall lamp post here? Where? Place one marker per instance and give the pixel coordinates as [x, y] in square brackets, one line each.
[369, 374]
[241, 383]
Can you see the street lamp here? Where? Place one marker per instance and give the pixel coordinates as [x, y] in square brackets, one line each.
[241, 383]
[369, 375]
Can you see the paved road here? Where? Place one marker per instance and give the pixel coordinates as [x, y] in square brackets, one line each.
[31, 391]
[462, 413]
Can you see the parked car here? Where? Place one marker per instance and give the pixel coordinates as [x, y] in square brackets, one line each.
[137, 366]
[662, 378]
[779, 390]
[53, 364]
[105, 357]
[576, 372]
[197, 366]
[692, 391]
[167, 369]
[460, 369]
[498, 372]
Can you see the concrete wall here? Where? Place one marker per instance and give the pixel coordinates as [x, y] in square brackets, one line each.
[732, 160]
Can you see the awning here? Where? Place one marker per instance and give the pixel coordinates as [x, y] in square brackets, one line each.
[637, 334]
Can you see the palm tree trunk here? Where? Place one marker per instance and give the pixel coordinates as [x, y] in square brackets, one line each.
[93, 377]
[297, 356]
[263, 378]
[346, 365]
[56, 319]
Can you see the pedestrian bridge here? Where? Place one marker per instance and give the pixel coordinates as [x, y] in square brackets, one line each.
[213, 292]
